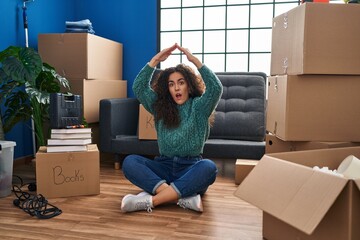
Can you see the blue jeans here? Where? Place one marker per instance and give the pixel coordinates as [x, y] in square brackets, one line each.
[187, 175]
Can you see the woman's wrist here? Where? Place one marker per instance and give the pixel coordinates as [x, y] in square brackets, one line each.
[153, 63]
[197, 63]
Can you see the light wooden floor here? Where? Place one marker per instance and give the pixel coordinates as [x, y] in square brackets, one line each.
[99, 217]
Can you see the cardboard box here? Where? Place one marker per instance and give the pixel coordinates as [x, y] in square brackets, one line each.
[82, 55]
[275, 144]
[92, 91]
[314, 108]
[147, 129]
[300, 202]
[315, 38]
[68, 174]
[242, 168]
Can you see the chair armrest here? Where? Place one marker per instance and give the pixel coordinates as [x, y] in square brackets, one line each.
[117, 116]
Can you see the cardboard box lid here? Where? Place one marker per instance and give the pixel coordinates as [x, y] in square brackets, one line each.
[293, 193]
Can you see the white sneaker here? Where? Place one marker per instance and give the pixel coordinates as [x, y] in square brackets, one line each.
[193, 203]
[143, 194]
[132, 203]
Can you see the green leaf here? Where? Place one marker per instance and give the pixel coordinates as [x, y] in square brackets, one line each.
[52, 74]
[24, 67]
[25, 86]
[3, 77]
[10, 51]
[14, 116]
[42, 97]
[17, 109]
[8, 90]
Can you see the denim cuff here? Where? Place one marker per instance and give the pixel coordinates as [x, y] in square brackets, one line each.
[176, 189]
[157, 185]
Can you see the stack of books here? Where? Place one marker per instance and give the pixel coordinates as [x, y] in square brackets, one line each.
[69, 140]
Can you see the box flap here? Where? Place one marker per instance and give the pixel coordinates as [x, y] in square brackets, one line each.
[293, 193]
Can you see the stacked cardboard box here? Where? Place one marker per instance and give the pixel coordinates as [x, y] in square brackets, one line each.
[313, 103]
[315, 75]
[92, 64]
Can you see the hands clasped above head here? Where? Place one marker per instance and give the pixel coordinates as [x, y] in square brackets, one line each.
[165, 53]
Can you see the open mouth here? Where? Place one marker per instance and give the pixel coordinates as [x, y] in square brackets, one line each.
[178, 96]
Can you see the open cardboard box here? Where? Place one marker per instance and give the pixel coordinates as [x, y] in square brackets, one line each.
[299, 202]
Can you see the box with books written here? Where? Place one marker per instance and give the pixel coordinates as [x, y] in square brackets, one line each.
[68, 173]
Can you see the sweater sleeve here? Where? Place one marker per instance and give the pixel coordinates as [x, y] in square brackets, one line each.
[142, 89]
[209, 100]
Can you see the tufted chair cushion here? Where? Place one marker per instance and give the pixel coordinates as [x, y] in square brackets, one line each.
[240, 114]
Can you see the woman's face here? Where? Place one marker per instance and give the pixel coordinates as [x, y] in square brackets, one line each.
[178, 87]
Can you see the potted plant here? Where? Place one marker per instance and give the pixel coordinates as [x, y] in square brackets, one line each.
[25, 86]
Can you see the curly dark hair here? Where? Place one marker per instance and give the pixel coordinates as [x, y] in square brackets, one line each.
[165, 107]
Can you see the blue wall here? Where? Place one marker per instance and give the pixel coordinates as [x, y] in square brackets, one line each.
[133, 23]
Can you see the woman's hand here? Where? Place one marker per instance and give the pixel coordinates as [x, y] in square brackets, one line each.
[165, 53]
[162, 55]
[190, 56]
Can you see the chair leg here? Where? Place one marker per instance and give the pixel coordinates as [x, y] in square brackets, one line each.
[117, 162]
[119, 158]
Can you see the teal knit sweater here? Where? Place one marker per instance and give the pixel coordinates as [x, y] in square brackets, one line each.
[189, 137]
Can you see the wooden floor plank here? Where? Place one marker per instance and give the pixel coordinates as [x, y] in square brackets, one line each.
[99, 217]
